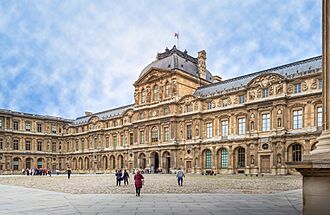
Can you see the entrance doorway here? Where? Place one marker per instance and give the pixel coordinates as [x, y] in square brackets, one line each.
[188, 166]
[155, 161]
[167, 163]
[265, 163]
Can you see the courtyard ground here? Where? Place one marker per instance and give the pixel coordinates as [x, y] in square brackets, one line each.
[158, 183]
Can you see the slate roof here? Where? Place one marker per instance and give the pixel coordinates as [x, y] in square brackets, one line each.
[289, 71]
[16, 113]
[176, 59]
[103, 115]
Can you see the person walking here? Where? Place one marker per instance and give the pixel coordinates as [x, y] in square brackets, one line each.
[69, 172]
[118, 177]
[125, 177]
[138, 177]
[180, 175]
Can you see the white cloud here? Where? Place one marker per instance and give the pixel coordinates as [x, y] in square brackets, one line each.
[67, 57]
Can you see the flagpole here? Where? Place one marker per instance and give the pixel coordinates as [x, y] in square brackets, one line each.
[178, 39]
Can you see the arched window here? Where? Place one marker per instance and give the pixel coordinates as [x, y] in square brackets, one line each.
[241, 157]
[224, 158]
[155, 93]
[143, 96]
[167, 89]
[208, 159]
[154, 134]
[296, 152]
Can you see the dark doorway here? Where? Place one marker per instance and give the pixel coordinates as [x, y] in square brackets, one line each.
[156, 161]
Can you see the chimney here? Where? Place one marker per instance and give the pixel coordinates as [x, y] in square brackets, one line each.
[202, 64]
[87, 113]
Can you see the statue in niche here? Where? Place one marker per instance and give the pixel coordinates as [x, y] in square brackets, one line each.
[174, 87]
[252, 159]
[196, 106]
[279, 159]
[136, 97]
[279, 122]
[252, 125]
[148, 94]
[197, 130]
[290, 88]
[236, 100]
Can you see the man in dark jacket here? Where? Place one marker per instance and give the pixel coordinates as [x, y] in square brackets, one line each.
[118, 177]
[125, 177]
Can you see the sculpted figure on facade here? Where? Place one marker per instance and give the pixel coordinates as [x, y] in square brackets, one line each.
[290, 88]
[279, 88]
[271, 91]
[304, 85]
[174, 91]
[314, 84]
[252, 95]
[136, 97]
[148, 94]
[160, 91]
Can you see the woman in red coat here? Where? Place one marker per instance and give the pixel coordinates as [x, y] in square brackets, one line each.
[138, 182]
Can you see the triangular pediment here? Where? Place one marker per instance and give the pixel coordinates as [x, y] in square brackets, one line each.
[154, 74]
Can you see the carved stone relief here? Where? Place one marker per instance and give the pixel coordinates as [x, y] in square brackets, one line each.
[304, 86]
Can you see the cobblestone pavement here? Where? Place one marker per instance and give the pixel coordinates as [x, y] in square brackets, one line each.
[105, 184]
[20, 200]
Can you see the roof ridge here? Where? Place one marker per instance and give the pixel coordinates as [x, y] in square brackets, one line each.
[101, 112]
[264, 71]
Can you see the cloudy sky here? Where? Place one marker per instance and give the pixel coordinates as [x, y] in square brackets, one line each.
[66, 57]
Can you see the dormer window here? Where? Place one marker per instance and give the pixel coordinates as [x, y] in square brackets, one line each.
[265, 92]
[297, 88]
[209, 105]
[241, 99]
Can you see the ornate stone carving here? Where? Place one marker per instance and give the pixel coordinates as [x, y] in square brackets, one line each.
[229, 102]
[174, 87]
[314, 84]
[290, 88]
[259, 93]
[265, 80]
[271, 91]
[252, 95]
[160, 91]
[304, 85]
[279, 89]
[236, 100]
[148, 94]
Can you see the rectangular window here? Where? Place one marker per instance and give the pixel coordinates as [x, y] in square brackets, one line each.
[265, 93]
[265, 122]
[15, 145]
[27, 126]
[131, 139]
[209, 130]
[154, 135]
[39, 145]
[297, 88]
[166, 134]
[53, 147]
[141, 137]
[224, 128]
[39, 127]
[241, 99]
[1, 143]
[320, 84]
[16, 125]
[122, 139]
[115, 141]
[53, 128]
[189, 132]
[241, 126]
[0, 123]
[297, 119]
[319, 117]
[28, 145]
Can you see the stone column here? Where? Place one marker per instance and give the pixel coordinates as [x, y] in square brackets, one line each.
[315, 167]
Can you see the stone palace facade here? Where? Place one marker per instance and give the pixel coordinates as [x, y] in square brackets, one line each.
[183, 116]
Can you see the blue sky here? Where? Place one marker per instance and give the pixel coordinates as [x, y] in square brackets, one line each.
[66, 57]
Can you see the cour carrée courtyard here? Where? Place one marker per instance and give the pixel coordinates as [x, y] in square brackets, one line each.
[200, 194]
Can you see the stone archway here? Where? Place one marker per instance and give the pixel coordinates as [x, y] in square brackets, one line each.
[28, 163]
[105, 162]
[142, 161]
[81, 163]
[166, 162]
[154, 158]
[120, 160]
[86, 163]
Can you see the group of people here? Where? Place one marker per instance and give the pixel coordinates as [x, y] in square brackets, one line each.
[36, 171]
[139, 179]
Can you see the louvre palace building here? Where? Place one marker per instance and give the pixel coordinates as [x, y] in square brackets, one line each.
[182, 117]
